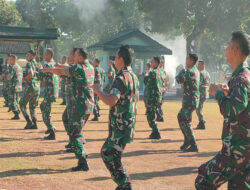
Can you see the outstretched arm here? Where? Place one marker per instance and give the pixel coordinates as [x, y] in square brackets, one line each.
[56, 71]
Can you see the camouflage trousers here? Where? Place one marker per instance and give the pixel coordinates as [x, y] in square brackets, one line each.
[185, 119]
[224, 168]
[111, 153]
[5, 93]
[199, 110]
[74, 123]
[13, 101]
[151, 112]
[63, 91]
[29, 96]
[159, 111]
[46, 107]
[96, 106]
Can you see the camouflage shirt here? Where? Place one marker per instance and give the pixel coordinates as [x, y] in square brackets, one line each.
[122, 115]
[204, 84]
[16, 75]
[50, 82]
[235, 109]
[154, 86]
[190, 78]
[82, 76]
[33, 83]
[99, 76]
[164, 80]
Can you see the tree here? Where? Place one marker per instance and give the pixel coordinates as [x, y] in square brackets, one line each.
[8, 13]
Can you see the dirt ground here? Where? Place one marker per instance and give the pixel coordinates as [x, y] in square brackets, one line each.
[29, 162]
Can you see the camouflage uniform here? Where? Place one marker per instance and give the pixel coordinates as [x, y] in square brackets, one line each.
[16, 75]
[204, 86]
[110, 79]
[232, 163]
[191, 82]
[63, 83]
[80, 105]
[154, 85]
[50, 82]
[99, 79]
[145, 95]
[5, 84]
[121, 124]
[31, 92]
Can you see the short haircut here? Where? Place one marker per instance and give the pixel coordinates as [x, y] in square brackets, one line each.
[201, 61]
[74, 50]
[82, 52]
[148, 64]
[13, 56]
[8, 54]
[126, 53]
[194, 57]
[242, 39]
[157, 59]
[97, 60]
[50, 50]
[64, 57]
[32, 52]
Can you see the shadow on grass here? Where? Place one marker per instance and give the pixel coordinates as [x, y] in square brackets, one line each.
[31, 154]
[151, 175]
[33, 171]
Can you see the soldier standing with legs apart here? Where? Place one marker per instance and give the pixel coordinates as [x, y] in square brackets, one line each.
[204, 85]
[15, 76]
[50, 82]
[82, 74]
[31, 91]
[190, 78]
[154, 85]
[123, 105]
[232, 163]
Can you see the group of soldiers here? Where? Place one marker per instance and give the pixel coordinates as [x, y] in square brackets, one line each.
[84, 87]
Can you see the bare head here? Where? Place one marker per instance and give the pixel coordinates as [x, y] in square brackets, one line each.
[12, 59]
[30, 55]
[155, 62]
[96, 63]
[48, 56]
[191, 60]
[123, 57]
[201, 65]
[64, 59]
[80, 56]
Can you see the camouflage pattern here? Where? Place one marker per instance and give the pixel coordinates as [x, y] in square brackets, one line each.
[81, 105]
[121, 124]
[154, 85]
[99, 79]
[111, 79]
[232, 163]
[145, 95]
[63, 83]
[50, 83]
[31, 91]
[204, 86]
[16, 75]
[190, 79]
[5, 84]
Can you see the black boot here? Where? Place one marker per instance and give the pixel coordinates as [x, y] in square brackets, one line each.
[201, 125]
[185, 145]
[126, 187]
[9, 110]
[160, 119]
[68, 146]
[155, 135]
[28, 125]
[95, 118]
[192, 148]
[52, 135]
[82, 165]
[16, 117]
[34, 125]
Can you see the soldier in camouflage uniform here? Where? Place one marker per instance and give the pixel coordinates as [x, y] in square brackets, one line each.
[99, 79]
[31, 91]
[5, 81]
[190, 78]
[63, 82]
[204, 85]
[15, 76]
[123, 105]
[145, 96]
[50, 82]
[154, 84]
[111, 76]
[232, 163]
[82, 74]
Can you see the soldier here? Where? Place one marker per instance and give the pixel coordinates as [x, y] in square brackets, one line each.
[122, 101]
[111, 76]
[15, 76]
[232, 162]
[63, 82]
[5, 81]
[154, 85]
[82, 74]
[50, 82]
[31, 91]
[204, 85]
[190, 78]
[145, 96]
[99, 79]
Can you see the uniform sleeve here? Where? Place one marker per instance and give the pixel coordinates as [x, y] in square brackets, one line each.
[235, 103]
[180, 78]
[118, 88]
[70, 71]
